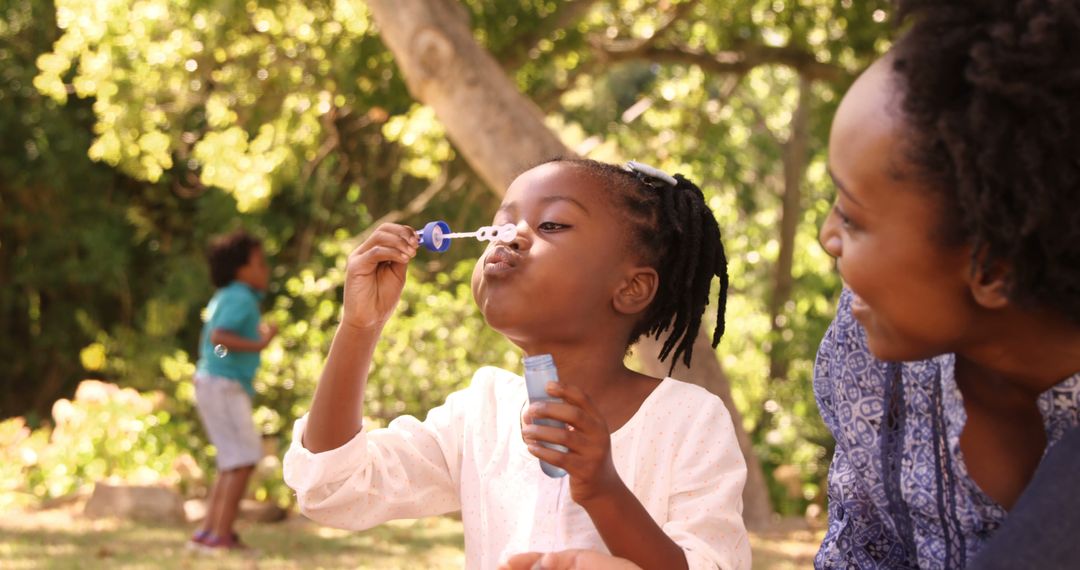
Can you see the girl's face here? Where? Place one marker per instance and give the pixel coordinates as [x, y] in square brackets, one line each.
[555, 282]
[913, 293]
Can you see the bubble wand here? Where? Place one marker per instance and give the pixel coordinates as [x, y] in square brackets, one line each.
[436, 235]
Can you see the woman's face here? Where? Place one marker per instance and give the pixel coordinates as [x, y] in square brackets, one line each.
[556, 280]
[913, 294]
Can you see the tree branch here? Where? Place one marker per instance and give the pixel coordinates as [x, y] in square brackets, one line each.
[416, 205]
[726, 62]
[564, 16]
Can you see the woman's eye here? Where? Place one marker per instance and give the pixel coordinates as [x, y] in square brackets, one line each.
[844, 219]
[551, 226]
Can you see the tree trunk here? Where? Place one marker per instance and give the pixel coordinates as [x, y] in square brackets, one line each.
[500, 133]
[794, 158]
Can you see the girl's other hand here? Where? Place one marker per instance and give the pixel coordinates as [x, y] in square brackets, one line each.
[375, 275]
[567, 560]
[588, 459]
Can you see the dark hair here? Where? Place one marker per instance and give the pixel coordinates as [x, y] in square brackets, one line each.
[228, 253]
[991, 96]
[676, 233]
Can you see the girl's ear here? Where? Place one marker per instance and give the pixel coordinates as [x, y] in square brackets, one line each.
[990, 286]
[636, 291]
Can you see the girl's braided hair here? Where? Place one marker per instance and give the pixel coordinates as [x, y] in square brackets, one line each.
[675, 232]
[991, 96]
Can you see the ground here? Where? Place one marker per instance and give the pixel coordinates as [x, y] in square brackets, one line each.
[61, 538]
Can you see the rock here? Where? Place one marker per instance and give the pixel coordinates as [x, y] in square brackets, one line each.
[145, 503]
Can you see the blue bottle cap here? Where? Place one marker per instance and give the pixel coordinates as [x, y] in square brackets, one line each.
[431, 237]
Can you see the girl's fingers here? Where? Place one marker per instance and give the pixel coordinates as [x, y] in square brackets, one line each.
[398, 235]
[536, 433]
[562, 411]
[380, 254]
[573, 395]
[525, 561]
[552, 456]
[389, 235]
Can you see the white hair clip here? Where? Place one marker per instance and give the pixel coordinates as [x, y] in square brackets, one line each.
[651, 172]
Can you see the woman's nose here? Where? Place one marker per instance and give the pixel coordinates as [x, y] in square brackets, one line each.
[829, 237]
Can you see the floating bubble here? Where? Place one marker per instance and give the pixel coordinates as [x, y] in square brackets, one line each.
[221, 351]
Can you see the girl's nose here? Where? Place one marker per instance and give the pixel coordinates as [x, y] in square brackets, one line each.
[523, 239]
[829, 237]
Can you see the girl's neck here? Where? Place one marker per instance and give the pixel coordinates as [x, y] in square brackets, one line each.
[594, 369]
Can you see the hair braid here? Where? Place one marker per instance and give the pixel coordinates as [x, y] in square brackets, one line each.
[676, 233]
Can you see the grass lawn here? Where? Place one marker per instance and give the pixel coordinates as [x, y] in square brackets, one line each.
[61, 538]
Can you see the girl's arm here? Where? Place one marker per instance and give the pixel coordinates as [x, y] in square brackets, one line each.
[631, 533]
[374, 279]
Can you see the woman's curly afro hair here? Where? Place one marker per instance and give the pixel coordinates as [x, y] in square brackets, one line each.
[991, 95]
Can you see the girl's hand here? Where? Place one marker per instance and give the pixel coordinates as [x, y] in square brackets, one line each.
[375, 275]
[567, 560]
[588, 459]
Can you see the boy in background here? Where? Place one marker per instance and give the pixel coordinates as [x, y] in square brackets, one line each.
[229, 347]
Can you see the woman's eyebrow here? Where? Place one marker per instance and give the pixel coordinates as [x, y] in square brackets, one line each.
[843, 189]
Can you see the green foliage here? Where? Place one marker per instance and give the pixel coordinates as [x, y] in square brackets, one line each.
[103, 433]
[144, 128]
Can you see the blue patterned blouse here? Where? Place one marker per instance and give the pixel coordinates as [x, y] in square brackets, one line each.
[899, 493]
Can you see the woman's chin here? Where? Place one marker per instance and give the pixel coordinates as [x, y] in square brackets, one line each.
[890, 349]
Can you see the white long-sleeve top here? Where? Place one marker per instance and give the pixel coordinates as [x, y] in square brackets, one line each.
[678, 455]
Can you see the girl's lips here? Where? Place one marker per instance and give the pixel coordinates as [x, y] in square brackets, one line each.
[500, 261]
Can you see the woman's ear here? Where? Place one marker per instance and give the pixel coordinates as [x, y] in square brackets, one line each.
[636, 291]
[990, 286]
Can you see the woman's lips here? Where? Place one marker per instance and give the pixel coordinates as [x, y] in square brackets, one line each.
[859, 309]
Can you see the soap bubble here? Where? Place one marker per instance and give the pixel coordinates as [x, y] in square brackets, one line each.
[221, 351]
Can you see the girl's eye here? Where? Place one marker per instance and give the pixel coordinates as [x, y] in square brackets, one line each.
[551, 226]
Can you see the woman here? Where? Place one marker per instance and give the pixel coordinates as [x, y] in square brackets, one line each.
[952, 365]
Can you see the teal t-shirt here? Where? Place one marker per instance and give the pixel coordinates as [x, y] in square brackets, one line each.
[234, 308]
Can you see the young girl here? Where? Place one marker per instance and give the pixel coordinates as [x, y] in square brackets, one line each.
[602, 256]
[953, 361]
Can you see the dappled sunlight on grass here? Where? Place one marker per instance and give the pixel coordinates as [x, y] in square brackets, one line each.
[62, 539]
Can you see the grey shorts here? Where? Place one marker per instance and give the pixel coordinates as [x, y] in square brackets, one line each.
[225, 410]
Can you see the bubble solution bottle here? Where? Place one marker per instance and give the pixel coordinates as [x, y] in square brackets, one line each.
[539, 370]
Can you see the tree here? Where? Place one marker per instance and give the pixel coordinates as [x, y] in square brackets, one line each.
[294, 118]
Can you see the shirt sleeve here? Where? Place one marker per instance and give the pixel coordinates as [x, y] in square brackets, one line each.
[705, 505]
[409, 469]
[858, 536]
